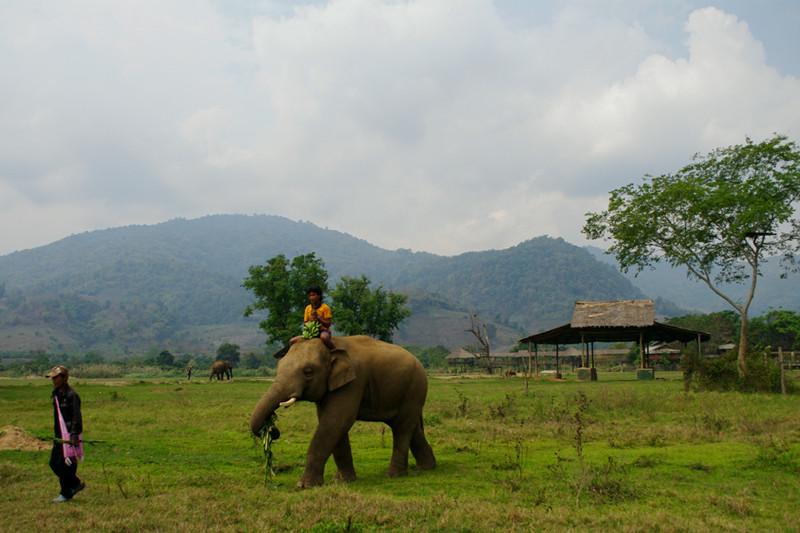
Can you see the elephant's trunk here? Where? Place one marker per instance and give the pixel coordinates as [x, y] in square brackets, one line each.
[276, 396]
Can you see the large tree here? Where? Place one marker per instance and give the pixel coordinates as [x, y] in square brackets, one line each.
[719, 217]
[359, 310]
[279, 288]
[228, 352]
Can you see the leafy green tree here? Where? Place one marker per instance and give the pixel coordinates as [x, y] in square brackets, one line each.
[430, 356]
[359, 310]
[228, 352]
[718, 217]
[777, 328]
[165, 359]
[279, 287]
[253, 360]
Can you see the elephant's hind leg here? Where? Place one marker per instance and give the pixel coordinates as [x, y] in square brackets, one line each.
[421, 449]
[401, 438]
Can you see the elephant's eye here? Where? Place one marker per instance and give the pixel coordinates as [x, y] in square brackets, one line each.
[308, 372]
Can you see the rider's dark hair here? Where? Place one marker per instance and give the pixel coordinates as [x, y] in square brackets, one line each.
[316, 289]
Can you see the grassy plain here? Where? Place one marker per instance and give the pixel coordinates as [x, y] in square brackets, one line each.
[612, 455]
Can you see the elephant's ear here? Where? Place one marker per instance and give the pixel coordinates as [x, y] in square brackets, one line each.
[341, 373]
[280, 353]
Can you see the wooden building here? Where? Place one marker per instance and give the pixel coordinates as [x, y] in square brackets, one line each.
[616, 321]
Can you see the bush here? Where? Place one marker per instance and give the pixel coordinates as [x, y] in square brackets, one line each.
[761, 373]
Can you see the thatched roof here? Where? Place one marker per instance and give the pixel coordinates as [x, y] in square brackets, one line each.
[624, 313]
[461, 353]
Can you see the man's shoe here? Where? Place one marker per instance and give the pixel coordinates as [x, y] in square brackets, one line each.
[79, 488]
[61, 498]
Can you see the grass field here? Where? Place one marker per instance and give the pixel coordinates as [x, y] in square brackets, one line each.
[612, 455]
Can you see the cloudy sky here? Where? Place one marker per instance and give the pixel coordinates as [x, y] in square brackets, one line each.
[437, 125]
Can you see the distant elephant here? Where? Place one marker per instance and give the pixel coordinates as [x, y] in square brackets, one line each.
[221, 369]
[362, 379]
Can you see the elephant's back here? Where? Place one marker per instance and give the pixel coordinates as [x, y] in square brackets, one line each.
[364, 346]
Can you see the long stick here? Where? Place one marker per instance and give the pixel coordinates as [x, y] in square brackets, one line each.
[64, 441]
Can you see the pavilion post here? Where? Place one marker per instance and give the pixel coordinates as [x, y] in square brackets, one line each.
[558, 368]
[643, 373]
[584, 373]
[641, 349]
[583, 350]
[530, 368]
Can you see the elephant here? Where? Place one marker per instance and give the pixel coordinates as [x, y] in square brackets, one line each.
[361, 379]
[221, 369]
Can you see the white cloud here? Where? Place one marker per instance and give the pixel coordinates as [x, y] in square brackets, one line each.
[439, 125]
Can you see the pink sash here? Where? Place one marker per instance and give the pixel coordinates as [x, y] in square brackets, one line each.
[70, 451]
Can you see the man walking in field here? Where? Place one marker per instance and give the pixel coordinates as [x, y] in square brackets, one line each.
[68, 427]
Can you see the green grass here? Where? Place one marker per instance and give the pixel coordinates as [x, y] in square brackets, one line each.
[611, 455]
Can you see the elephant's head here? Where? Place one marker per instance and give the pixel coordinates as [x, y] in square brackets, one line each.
[307, 372]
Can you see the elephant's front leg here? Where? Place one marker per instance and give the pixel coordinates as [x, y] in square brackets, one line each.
[331, 434]
[318, 452]
[343, 456]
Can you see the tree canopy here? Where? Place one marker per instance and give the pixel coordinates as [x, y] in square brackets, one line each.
[280, 288]
[165, 359]
[778, 328]
[228, 352]
[359, 310]
[719, 217]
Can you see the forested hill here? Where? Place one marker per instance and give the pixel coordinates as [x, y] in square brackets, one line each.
[178, 284]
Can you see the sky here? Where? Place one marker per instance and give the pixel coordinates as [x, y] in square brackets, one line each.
[444, 126]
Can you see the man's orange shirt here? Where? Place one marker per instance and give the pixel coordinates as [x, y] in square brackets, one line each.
[323, 311]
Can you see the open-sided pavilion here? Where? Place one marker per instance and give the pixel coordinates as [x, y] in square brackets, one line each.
[616, 321]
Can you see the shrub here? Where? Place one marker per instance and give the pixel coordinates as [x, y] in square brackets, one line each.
[761, 373]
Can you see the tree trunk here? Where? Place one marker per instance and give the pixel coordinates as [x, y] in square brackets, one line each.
[741, 362]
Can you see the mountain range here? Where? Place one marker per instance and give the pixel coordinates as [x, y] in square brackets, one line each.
[177, 286]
